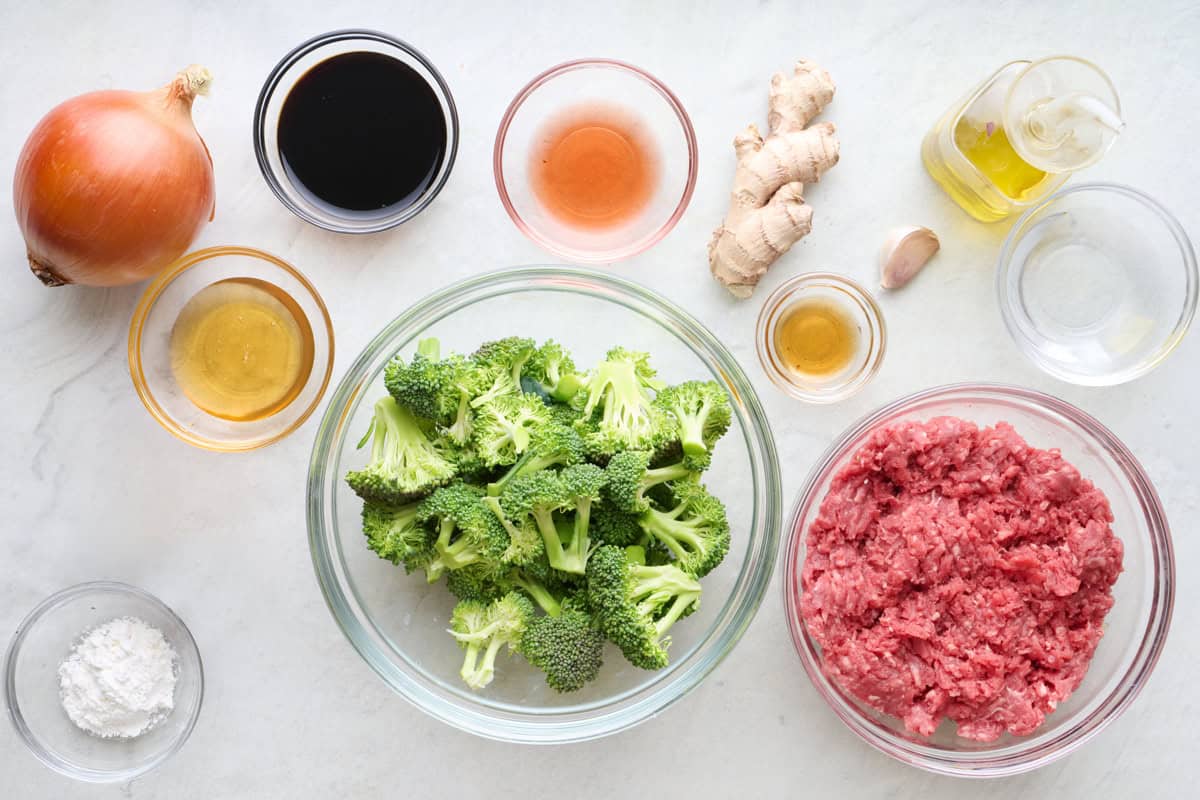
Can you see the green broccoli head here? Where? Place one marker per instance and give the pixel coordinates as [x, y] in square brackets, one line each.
[482, 629]
[550, 445]
[630, 477]
[568, 648]
[636, 605]
[537, 498]
[466, 531]
[504, 428]
[701, 412]
[552, 368]
[480, 580]
[395, 534]
[415, 384]
[500, 364]
[617, 408]
[404, 463]
[695, 530]
[610, 525]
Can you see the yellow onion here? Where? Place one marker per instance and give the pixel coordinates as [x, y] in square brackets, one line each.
[113, 186]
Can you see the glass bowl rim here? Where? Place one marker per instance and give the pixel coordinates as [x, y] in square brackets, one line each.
[33, 742]
[870, 306]
[275, 78]
[142, 312]
[981, 764]
[720, 638]
[1004, 266]
[584, 256]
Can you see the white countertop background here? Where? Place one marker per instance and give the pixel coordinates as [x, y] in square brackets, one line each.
[92, 488]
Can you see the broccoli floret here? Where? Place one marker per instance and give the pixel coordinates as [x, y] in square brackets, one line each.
[554, 372]
[630, 477]
[610, 525]
[504, 428]
[404, 464]
[470, 465]
[618, 411]
[635, 605]
[702, 415]
[481, 580]
[563, 414]
[395, 533]
[550, 445]
[540, 495]
[695, 530]
[568, 648]
[483, 629]
[501, 363]
[466, 531]
[415, 384]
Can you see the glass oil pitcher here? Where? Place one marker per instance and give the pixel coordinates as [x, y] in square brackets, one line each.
[1018, 136]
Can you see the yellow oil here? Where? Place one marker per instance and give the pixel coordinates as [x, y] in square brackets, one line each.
[994, 156]
[816, 338]
[241, 349]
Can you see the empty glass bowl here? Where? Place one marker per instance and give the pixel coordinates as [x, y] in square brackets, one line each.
[398, 622]
[1134, 630]
[150, 352]
[1097, 284]
[645, 105]
[44, 639]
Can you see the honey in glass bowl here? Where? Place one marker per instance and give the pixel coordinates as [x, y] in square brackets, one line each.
[241, 349]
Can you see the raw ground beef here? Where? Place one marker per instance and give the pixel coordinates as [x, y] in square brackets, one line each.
[956, 572]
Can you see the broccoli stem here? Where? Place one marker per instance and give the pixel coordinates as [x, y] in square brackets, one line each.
[526, 465]
[540, 594]
[679, 537]
[431, 348]
[486, 669]
[678, 607]
[691, 429]
[460, 431]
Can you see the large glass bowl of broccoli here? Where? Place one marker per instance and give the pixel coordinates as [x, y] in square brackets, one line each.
[544, 504]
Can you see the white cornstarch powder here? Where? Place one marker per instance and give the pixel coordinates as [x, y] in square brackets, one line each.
[119, 679]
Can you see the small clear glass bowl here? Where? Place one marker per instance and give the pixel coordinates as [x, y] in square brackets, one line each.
[1097, 284]
[397, 622]
[1135, 630]
[581, 84]
[44, 639]
[279, 84]
[150, 337]
[858, 306]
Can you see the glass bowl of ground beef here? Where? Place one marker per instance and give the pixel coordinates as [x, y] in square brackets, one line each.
[978, 579]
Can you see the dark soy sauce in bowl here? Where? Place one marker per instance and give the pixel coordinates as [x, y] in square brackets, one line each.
[362, 134]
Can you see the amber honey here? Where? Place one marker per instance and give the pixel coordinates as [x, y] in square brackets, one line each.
[816, 338]
[593, 167]
[241, 349]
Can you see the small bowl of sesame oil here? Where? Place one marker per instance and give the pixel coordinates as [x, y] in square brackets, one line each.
[821, 337]
[230, 348]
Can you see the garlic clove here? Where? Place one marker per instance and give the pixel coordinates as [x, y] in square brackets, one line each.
[905, 252]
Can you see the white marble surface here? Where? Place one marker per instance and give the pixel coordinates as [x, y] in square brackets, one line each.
[92, 488]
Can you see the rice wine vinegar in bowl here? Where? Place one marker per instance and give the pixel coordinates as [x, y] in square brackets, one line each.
[595, 160]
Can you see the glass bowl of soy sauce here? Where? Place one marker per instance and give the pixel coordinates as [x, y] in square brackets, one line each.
[355, 131]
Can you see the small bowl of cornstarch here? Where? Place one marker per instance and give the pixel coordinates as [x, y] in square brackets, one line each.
[103, 682]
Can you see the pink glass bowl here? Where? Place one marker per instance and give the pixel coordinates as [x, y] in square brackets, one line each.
[637, 94]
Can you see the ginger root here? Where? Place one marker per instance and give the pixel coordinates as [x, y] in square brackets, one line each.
[767, 212]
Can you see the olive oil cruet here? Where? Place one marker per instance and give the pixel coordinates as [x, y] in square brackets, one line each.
[1019, 135]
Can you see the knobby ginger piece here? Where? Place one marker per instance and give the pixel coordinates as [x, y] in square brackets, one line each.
[767, 212]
